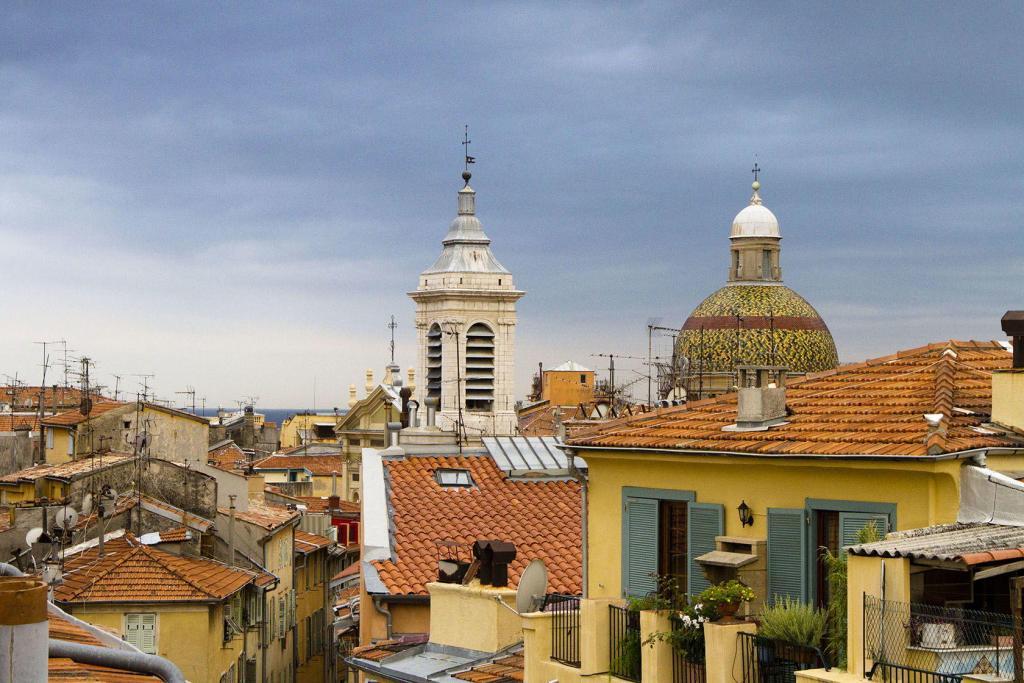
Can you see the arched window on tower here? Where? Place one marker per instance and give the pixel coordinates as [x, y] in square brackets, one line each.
[434, 360]
[480, 368]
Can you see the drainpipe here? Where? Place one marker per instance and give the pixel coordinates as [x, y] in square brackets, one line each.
[117, 659]
[570, 455]
[378, 605]
[23, 627]
[231, 531]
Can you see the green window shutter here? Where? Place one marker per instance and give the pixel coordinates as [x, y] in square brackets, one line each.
[131, 629]
[640, 546]
[704, 522]
[787, 554]
[850, 524]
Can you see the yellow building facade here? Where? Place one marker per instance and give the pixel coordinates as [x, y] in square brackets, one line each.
[305, 428]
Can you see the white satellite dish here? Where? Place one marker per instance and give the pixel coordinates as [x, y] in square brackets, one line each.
[533, 586]
[87, 504]
[33, 536]
[66, 518]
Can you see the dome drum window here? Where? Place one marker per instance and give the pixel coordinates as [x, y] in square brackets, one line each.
[479, 368]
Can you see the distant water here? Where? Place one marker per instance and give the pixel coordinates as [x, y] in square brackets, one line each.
[276, 415]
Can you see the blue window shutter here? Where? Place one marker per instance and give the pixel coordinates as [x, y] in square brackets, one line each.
[787, 554]
[705, 522]
[850, 524]
[640, 546]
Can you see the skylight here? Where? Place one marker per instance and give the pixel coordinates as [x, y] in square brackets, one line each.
[453, 478]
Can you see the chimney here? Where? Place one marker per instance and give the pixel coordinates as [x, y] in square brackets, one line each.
[761, 399]
[391, 430]
[431, 411]
[1008, 385]
[231, 531]
[24, 630]
[414, 410]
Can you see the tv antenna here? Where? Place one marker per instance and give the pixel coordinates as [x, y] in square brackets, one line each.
[190, 391]
[144, 384]
[392, 325]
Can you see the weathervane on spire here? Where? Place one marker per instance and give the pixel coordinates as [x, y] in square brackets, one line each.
[466, 175]
[756, 170]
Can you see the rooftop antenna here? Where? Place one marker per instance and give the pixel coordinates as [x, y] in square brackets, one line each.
[392, 325]
[42, 391]
[117, 386]
[189, 391]
[144, 381]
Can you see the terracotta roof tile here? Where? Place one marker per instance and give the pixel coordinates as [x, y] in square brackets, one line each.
[28, 397]
[542, 518]
[319, 465]
[306, 542]
[501, 670]
[267, 516]
[132, 572]
[351, 570]
[871, 408]
[12, 423]
[69, 418]
[228, 457]
[67, 470]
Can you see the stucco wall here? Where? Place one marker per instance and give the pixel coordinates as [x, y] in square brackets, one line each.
[925, 493]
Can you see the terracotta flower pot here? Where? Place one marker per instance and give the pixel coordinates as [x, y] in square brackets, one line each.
[727, 610]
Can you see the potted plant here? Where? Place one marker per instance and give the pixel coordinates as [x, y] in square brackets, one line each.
[726, 597]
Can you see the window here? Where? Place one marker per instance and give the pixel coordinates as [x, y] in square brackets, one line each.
[737, 264]
[71, 444]
[49, 437]
[663, 531]
[453, 478]
[766, 263]
[354, 476]
[479, 368]
[140, 631]
[434, 362]
[583, 379]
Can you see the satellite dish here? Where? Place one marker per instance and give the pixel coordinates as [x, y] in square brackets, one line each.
[66, 518]
[87, 504]
[533, 586]
[33, 536]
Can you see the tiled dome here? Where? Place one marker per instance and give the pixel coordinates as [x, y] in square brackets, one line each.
[775, 326]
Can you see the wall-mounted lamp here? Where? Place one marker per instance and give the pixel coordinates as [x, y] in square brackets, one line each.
[746, 516]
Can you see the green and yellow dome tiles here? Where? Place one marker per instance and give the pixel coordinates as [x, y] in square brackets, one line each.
[757, 325]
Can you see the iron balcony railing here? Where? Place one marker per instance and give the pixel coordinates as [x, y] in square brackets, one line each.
[624, 643]
[766, 660]
[688, 652]
[565, 628]
[917, 643]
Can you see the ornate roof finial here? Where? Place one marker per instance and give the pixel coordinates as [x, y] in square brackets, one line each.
[756, 185]
[466, 175]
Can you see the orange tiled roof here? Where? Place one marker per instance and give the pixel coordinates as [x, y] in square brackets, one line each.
[267, 516]
[11, 423]
[351, 570]
[132, 572]
[123, 504]
[67, 670]
[70, 418]
[871, 408]
[542, 518]
[306, 542]
[320, 503]
[176, 535]
[319, 465]
[501, 670]
[228, 457]
[67, 470]
[28, 397]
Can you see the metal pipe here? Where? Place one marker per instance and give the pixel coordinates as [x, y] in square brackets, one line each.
[23, 627]
[385, 611]
[10, 570]
[231, 531]
[162, 668]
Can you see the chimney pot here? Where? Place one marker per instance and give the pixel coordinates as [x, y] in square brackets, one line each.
[1013, 327]
[761, 397]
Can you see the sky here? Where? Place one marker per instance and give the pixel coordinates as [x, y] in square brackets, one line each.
[236, 197]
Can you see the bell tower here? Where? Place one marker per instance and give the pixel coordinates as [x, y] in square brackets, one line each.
[465, 329]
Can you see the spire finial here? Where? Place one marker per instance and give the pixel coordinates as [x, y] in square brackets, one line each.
[756, 185]
[466, 175]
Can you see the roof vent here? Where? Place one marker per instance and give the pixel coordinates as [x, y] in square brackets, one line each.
[761, 400]
[494, 558]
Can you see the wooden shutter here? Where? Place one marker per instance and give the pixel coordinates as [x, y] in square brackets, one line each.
[131, 629]
[148, 628]
[640, 546]
[281, 610]
[787, 554]
[705, 522]
[850, 524]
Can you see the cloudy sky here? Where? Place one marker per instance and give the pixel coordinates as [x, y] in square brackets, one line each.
[236, 197]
